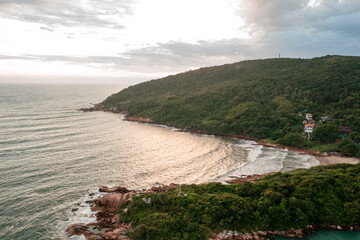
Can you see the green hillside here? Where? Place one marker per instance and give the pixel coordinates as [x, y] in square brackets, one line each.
[257, 98]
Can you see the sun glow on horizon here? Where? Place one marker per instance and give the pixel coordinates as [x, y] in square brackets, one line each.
[156, 37]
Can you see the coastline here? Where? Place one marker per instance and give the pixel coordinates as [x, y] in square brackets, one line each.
[108, 226]
[323, 158]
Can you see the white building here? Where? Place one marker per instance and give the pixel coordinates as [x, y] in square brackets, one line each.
[309, 128]
[309, 116]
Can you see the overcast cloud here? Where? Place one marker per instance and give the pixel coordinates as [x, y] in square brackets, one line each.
[153, 38]
[54, 13]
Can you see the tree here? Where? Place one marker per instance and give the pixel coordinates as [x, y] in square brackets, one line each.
[355, 136]
[326, 133]
[283, 106]
[293, 139]
[348, 148]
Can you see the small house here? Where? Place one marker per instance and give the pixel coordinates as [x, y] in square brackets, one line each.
[309, 128]
[308, 116]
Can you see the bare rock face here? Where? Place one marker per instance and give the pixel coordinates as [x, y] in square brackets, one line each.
[173, 185]
[108, 201]
[77, 229]
[139, 119]
[82, 229]
[111, 200]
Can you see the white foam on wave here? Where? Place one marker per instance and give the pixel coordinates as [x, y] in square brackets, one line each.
[311, 161]
[254, 151]
[261, 159]
[170, 128]
[83, 214]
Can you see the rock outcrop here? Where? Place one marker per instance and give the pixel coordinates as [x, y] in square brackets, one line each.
[107, 225]
[139, 119]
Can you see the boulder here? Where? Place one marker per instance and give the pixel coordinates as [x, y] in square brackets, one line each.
[77, 229]
[333, 227]
[112, 200]
[256, 237]
[261, 233]
[159, 189]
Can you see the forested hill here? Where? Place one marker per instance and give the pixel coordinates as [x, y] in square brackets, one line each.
[257, 98]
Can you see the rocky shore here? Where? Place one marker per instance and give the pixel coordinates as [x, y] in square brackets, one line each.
[325, 158]
[140, 119]
[109, 227]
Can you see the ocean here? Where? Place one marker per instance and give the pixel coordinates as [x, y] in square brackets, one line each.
[53, 156]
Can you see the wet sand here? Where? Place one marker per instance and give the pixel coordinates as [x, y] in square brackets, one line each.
[337, 159]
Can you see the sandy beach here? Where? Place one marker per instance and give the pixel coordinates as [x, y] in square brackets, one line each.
[337, 159]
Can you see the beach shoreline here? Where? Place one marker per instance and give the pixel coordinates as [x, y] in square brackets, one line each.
[108, 226]
[323, 158]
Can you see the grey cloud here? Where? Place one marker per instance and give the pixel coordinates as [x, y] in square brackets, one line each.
[9, 57]
[47, 29]
[295, 29]
[68, 13]
[170, 57]
[176, 56]
[271, 15]
[287, 15]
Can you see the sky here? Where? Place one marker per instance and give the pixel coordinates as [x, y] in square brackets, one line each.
[129, 41]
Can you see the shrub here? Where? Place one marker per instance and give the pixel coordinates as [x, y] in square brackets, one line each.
[326, 133]
[348, 148]
[293, 139]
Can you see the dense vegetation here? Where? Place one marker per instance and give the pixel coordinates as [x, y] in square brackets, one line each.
[258, 98]
[321, 195]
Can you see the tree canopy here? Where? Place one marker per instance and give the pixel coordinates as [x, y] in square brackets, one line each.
[322, 195]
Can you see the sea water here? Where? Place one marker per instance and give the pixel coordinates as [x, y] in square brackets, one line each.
[53, 156]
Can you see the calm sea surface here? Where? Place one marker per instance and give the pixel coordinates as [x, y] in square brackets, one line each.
[52, 156]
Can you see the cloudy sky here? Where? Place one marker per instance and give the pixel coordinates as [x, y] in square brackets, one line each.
[137, 40]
